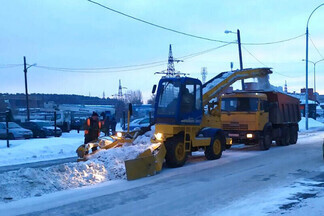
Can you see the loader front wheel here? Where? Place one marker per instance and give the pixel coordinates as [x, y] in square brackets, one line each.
[214, 150]
[176, 155]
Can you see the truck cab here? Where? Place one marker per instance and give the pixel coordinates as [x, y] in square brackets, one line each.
[260, 117]
[244, 116]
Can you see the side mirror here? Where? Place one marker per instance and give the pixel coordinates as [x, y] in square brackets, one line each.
[153, 89]
[130, 109]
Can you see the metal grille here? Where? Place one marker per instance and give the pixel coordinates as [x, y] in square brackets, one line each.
[235, 126]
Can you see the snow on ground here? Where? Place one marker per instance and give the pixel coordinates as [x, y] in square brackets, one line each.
[103, 166]
[277, 201]
[40, 149]
[312, 124]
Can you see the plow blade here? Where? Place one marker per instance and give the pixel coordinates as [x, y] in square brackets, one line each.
[147, 163]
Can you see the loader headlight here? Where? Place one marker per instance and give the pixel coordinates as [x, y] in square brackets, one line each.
[119, 134]
[249, 135]
[158, 136]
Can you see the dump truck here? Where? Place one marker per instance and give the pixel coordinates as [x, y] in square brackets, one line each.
[188, 115]
[259, 117]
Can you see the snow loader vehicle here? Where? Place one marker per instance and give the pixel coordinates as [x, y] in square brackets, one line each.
[187, 114]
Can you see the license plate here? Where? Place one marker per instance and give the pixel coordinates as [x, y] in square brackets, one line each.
[233, 135]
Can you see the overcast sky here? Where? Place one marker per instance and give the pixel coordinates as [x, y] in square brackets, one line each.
[79, 34]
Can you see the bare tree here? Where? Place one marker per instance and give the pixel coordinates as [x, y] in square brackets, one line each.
[134, 97]
[151, 100]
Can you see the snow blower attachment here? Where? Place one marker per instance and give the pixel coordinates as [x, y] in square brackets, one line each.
[147, 163]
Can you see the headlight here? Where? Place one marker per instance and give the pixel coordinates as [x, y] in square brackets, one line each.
[119, 134]
[158, 136]
[249, 135]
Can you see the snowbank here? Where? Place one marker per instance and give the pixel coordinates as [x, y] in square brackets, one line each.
[33, 150]
[103, 166]
[312, 124]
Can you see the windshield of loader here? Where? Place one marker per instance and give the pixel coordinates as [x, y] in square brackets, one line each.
[168, 99]
[240, 104]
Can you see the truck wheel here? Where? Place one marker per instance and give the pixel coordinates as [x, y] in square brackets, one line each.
[285, 137]
[228, 146]
[214, 150]
[176, 155]
[266, 141]
[293, 134]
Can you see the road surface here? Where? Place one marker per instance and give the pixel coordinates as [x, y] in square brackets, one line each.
[245, 181]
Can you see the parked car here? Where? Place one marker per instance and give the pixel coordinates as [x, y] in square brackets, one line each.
[41, 128]
[15, 131]
[138, 123]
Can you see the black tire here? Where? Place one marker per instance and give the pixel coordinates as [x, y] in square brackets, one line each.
[285, 137]
[176, 155]
[293, 134]
[214, 150]
[11, 136]
[228, 146]
[266, 141]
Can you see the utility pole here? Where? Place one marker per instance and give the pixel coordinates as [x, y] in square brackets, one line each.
[170, 70]
[240, 55]
[306, 104]
[26, 89]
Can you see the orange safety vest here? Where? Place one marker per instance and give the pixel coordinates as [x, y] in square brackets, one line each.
[88, 124]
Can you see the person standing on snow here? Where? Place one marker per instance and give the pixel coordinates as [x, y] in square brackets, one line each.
[92, 129]
[113, 124]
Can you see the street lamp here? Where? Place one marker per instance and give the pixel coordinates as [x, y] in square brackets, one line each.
[239, 49]
[314, 63]
[26, 88]
[306, 104]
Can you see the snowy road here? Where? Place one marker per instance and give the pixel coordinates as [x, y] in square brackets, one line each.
[244, 181]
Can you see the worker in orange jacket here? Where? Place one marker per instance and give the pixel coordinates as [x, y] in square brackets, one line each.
[92, 129]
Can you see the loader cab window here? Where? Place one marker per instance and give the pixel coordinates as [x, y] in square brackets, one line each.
[191, 103]
[167, 104]
[188, 99]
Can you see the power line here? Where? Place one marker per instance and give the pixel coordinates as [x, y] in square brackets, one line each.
[188, 34]
[156, 25]
[274, 42]
[10, 65]
[263, 63]
[316, 48]
[254, 56]
[126, 68]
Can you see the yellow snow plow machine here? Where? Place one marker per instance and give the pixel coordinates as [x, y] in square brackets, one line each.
[147, 163]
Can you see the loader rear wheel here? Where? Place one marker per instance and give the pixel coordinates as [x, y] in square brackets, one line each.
[214, 150]
[176, 155]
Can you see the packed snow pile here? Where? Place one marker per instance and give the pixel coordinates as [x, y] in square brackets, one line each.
[312, 124]
[103, 166]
